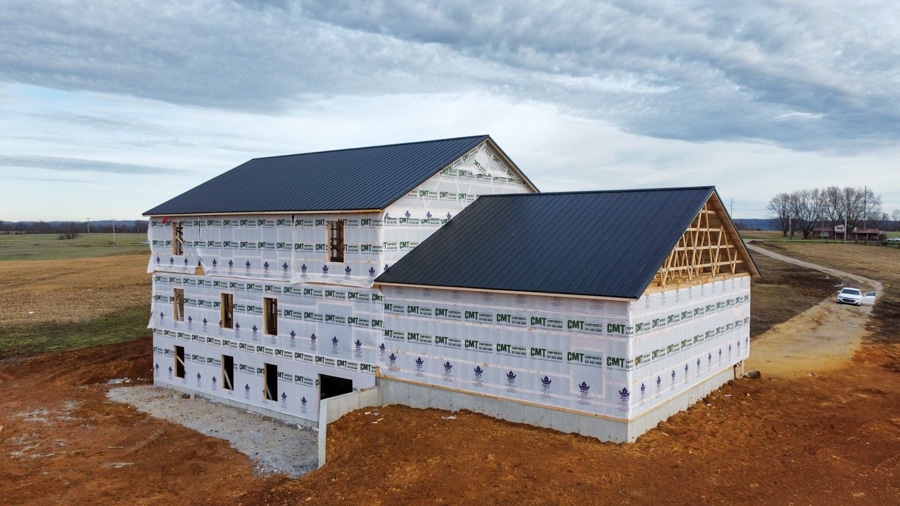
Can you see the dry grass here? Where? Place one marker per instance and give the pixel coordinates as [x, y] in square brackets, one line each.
[872, 261]
[783, 291]
[79, 290]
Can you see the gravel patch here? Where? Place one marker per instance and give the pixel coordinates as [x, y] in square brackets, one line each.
[274, 446]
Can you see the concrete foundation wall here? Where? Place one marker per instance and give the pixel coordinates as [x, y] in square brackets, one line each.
[419, 396]
[650, 419]
[335, 407]
[603, 428]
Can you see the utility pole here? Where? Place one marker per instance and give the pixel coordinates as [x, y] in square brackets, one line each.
[865, 207]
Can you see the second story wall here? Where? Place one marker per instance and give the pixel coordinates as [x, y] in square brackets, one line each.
[340, 248]
[334, 248]
[419, 213]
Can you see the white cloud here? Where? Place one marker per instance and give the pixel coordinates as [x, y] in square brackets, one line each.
[755, 98]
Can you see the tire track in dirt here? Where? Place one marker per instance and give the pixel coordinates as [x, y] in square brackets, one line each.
[821, 339]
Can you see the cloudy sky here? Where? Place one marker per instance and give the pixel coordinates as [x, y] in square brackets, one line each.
[109, 107]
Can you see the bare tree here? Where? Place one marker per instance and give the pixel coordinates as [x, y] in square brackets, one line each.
[861, 205]
[833, 207]
[68, 230]
[806, 210]
[850, 206]
[780, 209]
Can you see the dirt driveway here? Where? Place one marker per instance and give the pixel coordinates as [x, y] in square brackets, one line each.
[823, 338]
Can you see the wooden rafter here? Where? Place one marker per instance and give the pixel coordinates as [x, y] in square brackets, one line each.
[704, 252]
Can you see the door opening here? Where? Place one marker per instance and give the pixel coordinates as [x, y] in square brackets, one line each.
[179, 362]
[271, 382]
[227, 372]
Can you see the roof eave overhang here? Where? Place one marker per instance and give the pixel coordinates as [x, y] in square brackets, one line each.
[732, 231]
[269, 213]
[507, 292]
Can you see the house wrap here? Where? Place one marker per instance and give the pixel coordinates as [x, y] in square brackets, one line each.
[291, 279]
[263, 276]
[612, 310]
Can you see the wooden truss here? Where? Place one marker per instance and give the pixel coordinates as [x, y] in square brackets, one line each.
[708, 249]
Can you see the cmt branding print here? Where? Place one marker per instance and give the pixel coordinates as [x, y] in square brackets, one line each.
[607, 326]
[550, 359]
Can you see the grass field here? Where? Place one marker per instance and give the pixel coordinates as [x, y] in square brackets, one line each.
[50, 247]
[50, 305]
[774, 236]
[872, 261]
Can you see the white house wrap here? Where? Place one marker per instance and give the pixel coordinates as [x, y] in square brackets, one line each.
[609, 306]
[218, 267]
[611, 358]
[594, 312]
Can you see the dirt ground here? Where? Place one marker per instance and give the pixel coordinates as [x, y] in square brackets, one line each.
[829, 435]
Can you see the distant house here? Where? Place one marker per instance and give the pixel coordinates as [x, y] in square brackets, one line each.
[434, 274]
[823, 233]
[538, 309]
[855, 234]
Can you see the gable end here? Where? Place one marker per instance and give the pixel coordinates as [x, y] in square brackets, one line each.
[709, 249]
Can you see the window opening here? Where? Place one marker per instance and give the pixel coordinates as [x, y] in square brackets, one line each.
[177, 238]
[336, 240]
[332, 386]
[227, 372]
[270, 309]
[178, 299]
[179, 362]
[227, 311]
[271, 382]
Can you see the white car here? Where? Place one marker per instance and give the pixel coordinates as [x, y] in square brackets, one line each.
[893, 240]
[850, 296]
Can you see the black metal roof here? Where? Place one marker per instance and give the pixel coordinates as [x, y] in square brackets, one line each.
[348, 179]
[607, 244]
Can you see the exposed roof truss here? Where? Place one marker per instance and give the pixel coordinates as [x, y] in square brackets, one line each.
[709, 249]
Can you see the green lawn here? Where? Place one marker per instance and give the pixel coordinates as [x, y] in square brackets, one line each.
[122, 325]
[18, 340]
[50, 247]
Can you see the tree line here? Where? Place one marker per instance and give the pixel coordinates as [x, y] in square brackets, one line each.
[804, 210]
[72, 229]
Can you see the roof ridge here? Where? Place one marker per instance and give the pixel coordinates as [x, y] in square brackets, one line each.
[594, 192]
[482, 137]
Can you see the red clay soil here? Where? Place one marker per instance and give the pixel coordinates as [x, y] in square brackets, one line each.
[826, 438]
[823, 439]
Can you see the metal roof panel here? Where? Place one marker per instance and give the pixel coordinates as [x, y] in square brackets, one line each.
[608, 244]
[348, 179]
